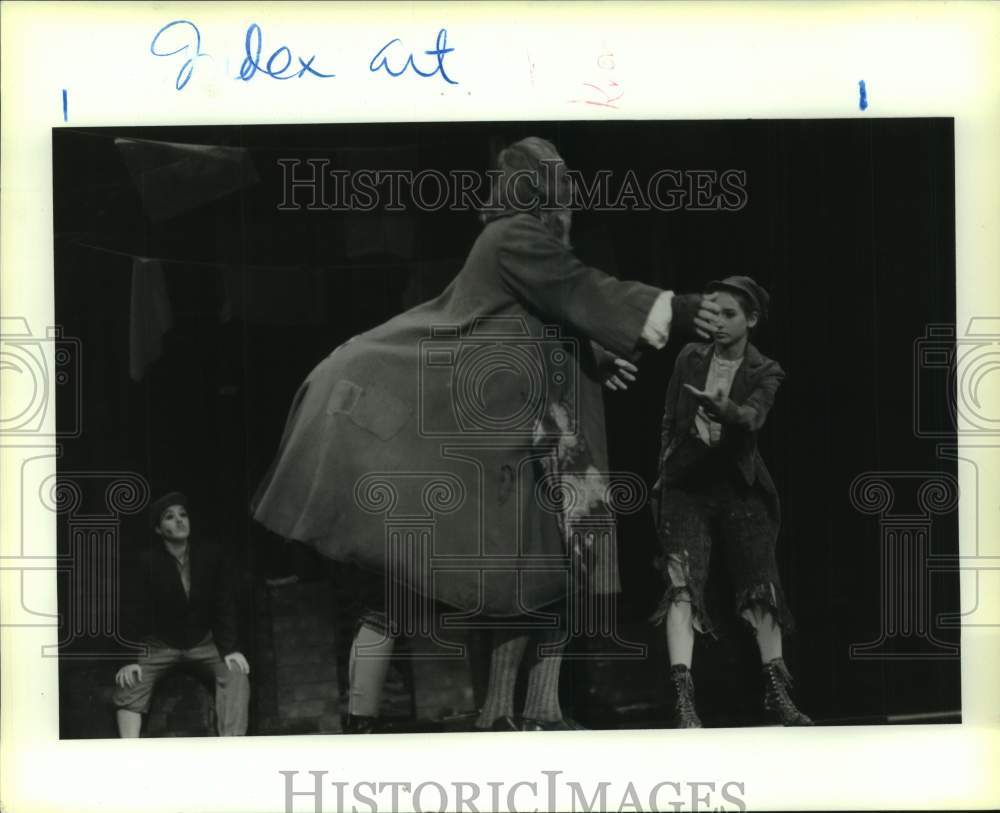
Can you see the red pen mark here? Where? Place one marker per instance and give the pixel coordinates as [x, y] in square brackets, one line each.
[603, 92]
[608, 100]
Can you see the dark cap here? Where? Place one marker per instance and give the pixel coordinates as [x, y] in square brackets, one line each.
[759, 298]
[157, 507]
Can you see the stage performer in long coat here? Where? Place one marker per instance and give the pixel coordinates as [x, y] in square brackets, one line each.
[457, 450]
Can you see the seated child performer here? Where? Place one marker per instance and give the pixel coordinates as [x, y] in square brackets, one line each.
[183, 608]
[713, 488]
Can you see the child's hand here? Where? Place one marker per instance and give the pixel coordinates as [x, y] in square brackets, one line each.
[621, 375]
[716, 404]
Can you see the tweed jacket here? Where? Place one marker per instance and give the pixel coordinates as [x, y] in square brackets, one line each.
[753, 390]
[157, 609]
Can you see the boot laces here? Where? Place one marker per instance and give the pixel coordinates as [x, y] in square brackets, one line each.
[685, 692]
[779, 680]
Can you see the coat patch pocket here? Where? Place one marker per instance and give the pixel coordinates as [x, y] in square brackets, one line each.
[372, 408]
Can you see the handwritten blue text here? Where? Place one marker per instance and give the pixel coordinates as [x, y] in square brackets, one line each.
[381, 62]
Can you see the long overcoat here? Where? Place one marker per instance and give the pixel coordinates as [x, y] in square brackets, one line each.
[426, 446]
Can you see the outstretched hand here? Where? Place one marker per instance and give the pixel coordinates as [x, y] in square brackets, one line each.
[716, 404]
[621, 376]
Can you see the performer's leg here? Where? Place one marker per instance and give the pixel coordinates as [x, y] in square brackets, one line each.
[133, 702]
[777, 699]
[232, 688]
[371, 654]
[750, 533]
[679, 620]
[679, 624]
[686, 540]
[777, 678]
[129, 723]
[232, 701]
[766, 630]
[542, 702]
[508, 649]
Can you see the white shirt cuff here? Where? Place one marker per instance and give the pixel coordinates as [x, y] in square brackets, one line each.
[657, 329]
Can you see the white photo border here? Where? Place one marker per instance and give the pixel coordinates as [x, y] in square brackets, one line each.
[512, 61]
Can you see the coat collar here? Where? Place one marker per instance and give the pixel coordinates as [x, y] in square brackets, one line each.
[170, 563]
[501, 214]
[701, 358]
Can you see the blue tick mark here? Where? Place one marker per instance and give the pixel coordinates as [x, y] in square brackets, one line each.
[65, 106]
[862, 95]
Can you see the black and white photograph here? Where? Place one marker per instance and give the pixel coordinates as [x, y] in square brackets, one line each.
[499, 406]
[527, 426]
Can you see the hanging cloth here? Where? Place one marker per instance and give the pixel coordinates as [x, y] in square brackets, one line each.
[173, 178]
[150, 315]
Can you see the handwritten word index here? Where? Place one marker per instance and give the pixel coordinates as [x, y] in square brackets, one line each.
[283, 55]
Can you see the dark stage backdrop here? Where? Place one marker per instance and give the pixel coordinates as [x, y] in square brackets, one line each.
[849, 224]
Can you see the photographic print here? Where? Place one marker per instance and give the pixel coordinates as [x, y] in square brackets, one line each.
[506, 426]
[478, 406]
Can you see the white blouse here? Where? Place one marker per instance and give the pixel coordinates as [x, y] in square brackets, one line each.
[721, 373]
